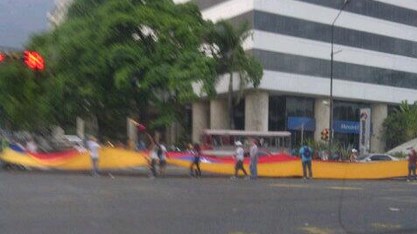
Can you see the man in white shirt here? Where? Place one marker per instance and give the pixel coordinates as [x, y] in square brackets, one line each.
[93, 148]
[153, 160]
[239, 156]
[162, 159]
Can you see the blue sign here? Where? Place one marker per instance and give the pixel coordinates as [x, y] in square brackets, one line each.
[299, 123]
[346, 126]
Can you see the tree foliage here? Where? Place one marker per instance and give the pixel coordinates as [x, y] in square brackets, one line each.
[111, 59]
[227, 43]
[401, 125]
[116, 58]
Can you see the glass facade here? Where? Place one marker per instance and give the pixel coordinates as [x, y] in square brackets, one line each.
[322, 32]
[274, 61]
[300, 107]
[283, 107]
[369, 8]
[373, 9]
[204, 4]
[349, 112]
[239, 115]
[277, 114]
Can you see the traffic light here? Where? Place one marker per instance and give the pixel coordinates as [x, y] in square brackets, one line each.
[2, 57]
[33, 60]
[325, 134]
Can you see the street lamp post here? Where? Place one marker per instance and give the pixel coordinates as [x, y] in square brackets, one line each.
[331, 78]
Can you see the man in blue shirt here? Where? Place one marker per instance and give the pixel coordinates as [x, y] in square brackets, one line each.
[306, 154]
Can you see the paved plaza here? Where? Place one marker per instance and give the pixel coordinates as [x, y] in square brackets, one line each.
[129, 202]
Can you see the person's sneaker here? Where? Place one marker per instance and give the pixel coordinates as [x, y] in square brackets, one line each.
[408, 180]
[233, 178]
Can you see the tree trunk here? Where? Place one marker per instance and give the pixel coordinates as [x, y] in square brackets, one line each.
[230, 102]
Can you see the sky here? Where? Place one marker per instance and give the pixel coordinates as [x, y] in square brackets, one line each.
[21, 18]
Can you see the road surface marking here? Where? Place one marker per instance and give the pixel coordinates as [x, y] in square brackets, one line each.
[290, 185]
[404, 199]
[385, 226]
[345, 188]
[316, 230]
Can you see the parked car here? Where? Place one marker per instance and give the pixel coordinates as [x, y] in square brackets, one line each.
[75, 142]
[376, 157]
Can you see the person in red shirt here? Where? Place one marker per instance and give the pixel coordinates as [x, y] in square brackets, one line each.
[412, 158]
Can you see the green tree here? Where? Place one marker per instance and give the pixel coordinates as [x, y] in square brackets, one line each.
[22, 93]
[21, 96]
[111, 59]
[226, 41]
[401, 125]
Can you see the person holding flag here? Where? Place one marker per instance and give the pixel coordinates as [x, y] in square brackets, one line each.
[152, 156]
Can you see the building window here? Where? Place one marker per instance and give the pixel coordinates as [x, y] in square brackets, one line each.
[285, 112]
[277, 117]
[347, 113]
[300, 107]
[239, 115]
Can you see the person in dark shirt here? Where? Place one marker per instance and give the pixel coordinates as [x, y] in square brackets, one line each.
[196, 161]
[412, 158]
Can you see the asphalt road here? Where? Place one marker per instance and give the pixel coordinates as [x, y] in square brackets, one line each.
[129, 202]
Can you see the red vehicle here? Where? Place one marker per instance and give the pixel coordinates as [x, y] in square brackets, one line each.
[218, 146]
[221, 142]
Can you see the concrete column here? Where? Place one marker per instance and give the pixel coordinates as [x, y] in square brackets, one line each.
[200, 118]
[80, 127]
[256, 111]
[378, 114]
[322, 116]
[219, 115]
[132, 134]
[173, 133]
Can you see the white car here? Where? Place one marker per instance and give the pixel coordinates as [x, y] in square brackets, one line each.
[76, 142]
[376, 157]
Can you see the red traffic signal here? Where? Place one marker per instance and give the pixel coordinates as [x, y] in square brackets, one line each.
[325, 134]
[33, 60]
[2, 57]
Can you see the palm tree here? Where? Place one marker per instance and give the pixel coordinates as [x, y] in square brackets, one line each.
[231, 58]
[401, 125]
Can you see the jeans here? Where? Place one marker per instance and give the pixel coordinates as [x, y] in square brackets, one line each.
[253, 167]
[307, 165]
[153, 167]
[94, 162]
[411, 169]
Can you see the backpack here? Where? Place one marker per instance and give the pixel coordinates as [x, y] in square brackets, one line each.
[307, 152]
